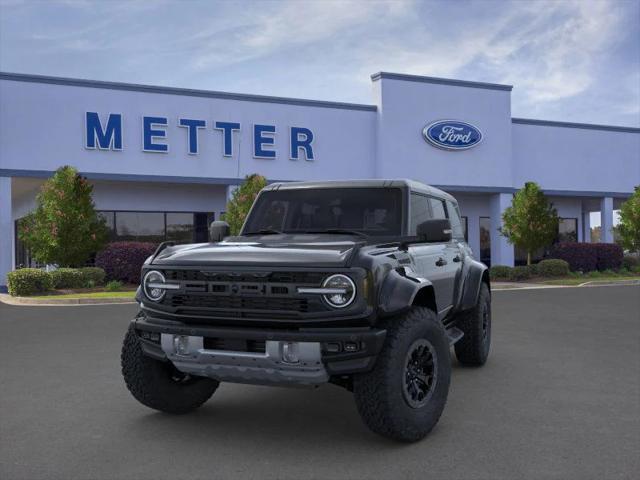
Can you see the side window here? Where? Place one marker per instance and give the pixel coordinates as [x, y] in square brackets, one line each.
[437, 208]
[454, 217]
[420, 211]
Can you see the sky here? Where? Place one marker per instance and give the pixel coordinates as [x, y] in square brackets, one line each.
[569, 60]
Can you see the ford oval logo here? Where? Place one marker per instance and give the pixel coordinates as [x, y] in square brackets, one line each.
[452, 134]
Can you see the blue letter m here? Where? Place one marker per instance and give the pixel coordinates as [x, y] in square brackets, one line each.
[109, 138]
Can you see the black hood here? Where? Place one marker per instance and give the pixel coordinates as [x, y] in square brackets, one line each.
[306, 250]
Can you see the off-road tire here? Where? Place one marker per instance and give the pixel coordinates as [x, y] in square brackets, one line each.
[153, 383]
[473, 348]
[379, 393]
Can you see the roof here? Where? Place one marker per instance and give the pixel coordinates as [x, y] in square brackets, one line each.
[369, 183]
[188, 92]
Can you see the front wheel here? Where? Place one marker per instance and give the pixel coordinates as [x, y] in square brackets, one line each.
[159, 385]
[405, 393]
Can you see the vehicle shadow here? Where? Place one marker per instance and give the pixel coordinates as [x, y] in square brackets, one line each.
[283, 417]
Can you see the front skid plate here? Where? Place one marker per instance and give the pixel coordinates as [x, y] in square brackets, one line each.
[268, 368]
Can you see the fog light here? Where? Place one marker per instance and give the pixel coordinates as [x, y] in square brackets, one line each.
[350, 347]
[290, 352]
[181, 344]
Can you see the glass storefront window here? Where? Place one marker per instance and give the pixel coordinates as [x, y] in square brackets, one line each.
[180, 227]
[568, 230]
[140, 226]
[485, 240]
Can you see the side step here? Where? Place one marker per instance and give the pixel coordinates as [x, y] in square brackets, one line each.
[454, 335]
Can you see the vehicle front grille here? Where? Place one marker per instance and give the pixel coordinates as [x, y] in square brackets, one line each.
[249, 295]
[240, 303]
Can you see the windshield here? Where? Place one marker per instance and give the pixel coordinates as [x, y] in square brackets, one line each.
[371, 211]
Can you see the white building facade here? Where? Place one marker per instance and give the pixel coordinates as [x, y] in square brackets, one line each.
[163, 161]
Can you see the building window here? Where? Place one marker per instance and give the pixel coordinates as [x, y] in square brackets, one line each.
[568, 230]
[485, 240]
[180, 227]
[140, 226]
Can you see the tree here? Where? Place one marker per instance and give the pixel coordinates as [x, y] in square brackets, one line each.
[629, 226]
[530, 222]
[65, 228]
[241, 201]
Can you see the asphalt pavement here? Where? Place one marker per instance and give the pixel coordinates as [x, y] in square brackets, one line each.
[559, 398]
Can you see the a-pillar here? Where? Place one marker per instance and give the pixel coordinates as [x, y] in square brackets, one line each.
[606, 220]
[6, 232]
[501, 249]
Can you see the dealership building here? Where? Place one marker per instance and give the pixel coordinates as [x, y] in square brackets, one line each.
[163, 161]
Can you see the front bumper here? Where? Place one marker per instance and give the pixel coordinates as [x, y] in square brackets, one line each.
[318, 359]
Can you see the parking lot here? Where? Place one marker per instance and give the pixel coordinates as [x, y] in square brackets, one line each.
[559, 398]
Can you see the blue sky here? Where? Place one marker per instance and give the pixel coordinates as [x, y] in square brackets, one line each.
[568, 60]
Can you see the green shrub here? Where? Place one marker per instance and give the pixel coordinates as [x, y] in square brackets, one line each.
[67, 278]
[28, 281]
[499, 271]
[92, 276]
[629, 261]
[113, 286]
[553, 268]
[519, 273]
[534, 270]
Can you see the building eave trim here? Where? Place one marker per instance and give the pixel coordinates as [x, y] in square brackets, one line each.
[585, 126]
[188, 92]
[440, 81]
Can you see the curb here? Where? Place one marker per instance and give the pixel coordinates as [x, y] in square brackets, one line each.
[500, 286]
[9, 300]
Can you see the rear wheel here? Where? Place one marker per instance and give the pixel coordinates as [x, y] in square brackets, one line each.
[405, 394]
[473, 347]
[159, 385]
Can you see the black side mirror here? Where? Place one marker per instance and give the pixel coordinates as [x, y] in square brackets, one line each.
[218, 230]
[436, 230]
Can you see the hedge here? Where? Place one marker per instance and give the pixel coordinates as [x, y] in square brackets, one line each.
[499, 271]
[28, 281]
[123, 261]
[93, 276]
[587, 257]
[67, 278]
[553, 268]
[630, 262]
[520, 273]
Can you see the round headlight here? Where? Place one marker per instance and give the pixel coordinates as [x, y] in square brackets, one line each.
[344, 290]
[155, 294]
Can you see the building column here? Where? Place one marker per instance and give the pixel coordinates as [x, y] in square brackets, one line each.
[501, 250]
[586, 227]
[6, 232]
[606, 220]
[473, 235]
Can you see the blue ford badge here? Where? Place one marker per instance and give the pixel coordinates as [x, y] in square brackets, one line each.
[452, 134]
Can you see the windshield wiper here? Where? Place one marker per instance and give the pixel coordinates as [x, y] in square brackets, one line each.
[266, 231]
[339, 231]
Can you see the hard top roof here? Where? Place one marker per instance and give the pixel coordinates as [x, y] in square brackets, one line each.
[369, 183]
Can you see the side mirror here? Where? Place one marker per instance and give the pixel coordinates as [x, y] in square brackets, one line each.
[436, 230]
[218, 230]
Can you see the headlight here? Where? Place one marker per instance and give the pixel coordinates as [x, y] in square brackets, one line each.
[150, 290]
[344, 290]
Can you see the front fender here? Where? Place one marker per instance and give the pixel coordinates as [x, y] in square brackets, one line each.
[477, 273]
[399, 291]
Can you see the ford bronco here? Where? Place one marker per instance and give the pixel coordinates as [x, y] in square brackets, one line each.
[363, 284]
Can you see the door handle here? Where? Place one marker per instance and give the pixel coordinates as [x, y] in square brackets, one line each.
[441, 262]
[456, 258]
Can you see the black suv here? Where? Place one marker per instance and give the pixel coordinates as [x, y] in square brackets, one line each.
[364, 284]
